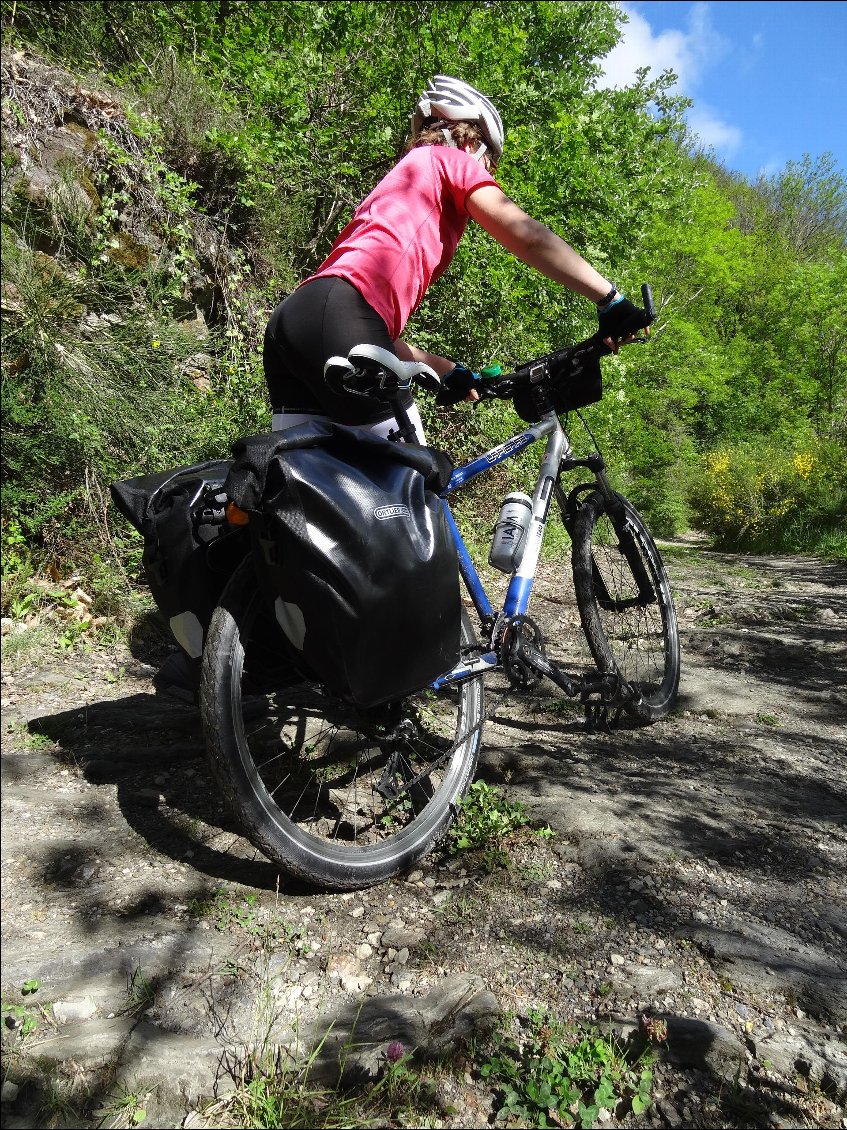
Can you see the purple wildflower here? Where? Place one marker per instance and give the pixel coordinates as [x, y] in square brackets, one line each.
[394, 1051]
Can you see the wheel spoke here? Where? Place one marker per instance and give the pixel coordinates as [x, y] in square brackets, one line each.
[333, 778]
[336, 794]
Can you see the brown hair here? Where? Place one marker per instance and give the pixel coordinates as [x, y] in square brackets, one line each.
[464, 134]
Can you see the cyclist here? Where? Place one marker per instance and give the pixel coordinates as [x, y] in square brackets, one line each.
[401, 238]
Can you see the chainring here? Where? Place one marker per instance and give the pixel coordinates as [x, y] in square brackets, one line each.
[517, 670]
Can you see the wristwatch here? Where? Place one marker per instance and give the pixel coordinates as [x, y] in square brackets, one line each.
[605, 301]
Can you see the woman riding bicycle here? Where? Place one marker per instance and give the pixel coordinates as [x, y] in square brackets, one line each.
[401, 238]
[345, 752]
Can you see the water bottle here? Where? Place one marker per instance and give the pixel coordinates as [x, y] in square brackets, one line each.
[509, 539]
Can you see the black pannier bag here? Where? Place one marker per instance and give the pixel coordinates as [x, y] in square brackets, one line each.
[354, 553]
[190, 551]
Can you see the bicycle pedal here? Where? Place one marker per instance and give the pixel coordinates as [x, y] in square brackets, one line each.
[597, 718]
[601, 717]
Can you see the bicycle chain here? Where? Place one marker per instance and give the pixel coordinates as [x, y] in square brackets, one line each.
[424, 774]
[441, 761]
[599, 716]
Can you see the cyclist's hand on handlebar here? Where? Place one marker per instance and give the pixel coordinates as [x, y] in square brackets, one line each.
[620, 322]
[457, 385]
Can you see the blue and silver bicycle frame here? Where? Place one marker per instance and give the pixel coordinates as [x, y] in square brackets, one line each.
[520, 587]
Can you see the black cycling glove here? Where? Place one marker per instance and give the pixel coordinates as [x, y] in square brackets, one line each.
[620, 318]
[456, 385]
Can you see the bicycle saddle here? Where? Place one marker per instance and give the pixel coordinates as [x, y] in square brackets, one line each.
[382, 370]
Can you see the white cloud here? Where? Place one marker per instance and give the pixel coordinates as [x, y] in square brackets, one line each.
[689, 52]
[712, 132]
[770, 168]
[639, 47]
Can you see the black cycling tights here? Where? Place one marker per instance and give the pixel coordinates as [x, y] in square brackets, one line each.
[323, 318]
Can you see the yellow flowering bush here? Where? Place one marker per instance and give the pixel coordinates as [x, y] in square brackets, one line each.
[718, 462]
[771, 497]
[804, 463]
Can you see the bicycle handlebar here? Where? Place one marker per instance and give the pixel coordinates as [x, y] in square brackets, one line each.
[368, 378]
[503, 387]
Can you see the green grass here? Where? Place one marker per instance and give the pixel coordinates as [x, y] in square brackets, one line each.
[830, 544]
[682, 553]
[140, 993]
[273, 1094]
[20, 649]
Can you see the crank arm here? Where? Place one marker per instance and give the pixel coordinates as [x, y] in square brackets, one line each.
[541, 665]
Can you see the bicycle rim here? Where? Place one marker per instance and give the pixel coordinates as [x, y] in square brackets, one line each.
[339, 796]
[630, 628]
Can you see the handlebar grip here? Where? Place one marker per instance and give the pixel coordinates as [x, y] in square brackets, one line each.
[647, 301]
[496, 388]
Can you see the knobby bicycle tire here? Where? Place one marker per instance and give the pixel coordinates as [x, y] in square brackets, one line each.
[625, 603]
[330, 793]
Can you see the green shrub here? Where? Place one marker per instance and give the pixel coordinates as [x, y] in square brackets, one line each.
[566, 1076]
[774, 497]
[97, 378]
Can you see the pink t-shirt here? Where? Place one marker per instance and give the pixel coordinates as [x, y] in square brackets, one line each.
[404, 235]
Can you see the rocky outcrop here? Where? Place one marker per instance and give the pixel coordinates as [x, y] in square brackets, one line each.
[71, 149]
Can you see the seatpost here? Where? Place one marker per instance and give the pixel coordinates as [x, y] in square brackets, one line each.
[406, 431]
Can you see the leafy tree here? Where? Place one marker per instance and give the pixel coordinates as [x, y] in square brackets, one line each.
[806, 207]
[277, 118]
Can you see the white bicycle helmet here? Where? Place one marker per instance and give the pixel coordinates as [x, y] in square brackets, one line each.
[456, 101]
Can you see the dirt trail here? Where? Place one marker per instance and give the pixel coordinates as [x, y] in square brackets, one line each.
[697, 873]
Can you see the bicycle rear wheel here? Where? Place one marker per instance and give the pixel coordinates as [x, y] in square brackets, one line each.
[625, 604]
[339, 796]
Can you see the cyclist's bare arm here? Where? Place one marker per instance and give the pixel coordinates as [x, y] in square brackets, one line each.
[534, 243]
[407, 352]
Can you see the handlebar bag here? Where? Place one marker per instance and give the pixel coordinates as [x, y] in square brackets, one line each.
[354, 554]
[189, 551]
[574, 380]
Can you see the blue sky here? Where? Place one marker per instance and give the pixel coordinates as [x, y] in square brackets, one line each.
[766, 79]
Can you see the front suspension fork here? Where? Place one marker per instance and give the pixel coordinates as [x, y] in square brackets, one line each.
[627, 544]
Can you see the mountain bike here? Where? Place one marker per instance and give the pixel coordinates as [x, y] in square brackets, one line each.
[344, 797]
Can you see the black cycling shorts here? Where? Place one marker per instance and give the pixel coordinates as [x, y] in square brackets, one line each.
[323, 318]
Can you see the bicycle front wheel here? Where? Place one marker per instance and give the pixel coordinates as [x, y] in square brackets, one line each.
[338, 796]
[625, 604]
